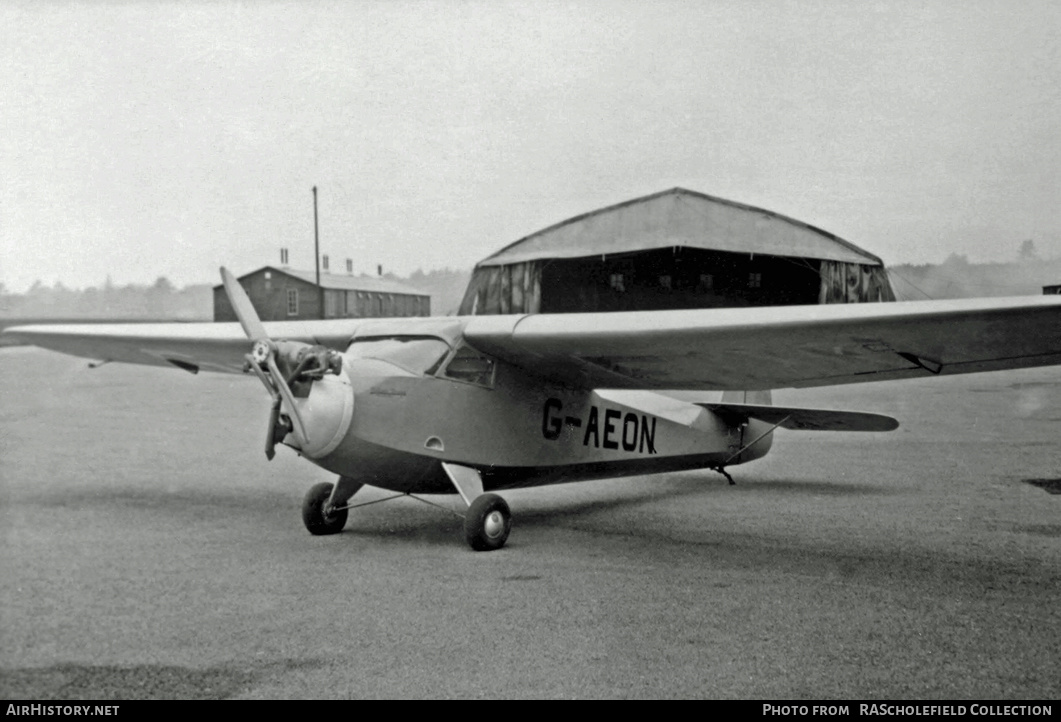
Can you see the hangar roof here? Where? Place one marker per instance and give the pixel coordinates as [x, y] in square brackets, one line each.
[680, 217]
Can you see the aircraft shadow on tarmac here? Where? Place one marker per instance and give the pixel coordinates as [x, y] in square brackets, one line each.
[418, 523]
[536, 509]
[410, 524]
[532, 506]
[542, 508]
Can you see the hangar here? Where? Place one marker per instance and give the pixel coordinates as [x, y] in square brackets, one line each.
[283, 294]
[674, 249]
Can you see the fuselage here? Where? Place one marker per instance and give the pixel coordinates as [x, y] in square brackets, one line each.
[515, 428]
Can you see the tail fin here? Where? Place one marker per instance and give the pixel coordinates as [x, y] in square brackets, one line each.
[750, 428]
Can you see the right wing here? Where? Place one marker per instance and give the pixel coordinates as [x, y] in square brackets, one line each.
[189, 346]
[777, 346]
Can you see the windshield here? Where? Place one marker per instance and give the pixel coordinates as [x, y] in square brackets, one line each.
[419, 354]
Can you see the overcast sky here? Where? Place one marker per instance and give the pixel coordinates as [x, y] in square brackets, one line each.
[149, 139]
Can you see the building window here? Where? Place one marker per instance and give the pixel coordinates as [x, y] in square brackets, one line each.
[707, 282]
[292, 302]
[755, 280]
[665, 283]
[616, 282]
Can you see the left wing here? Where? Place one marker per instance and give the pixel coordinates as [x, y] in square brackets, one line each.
[779, 346]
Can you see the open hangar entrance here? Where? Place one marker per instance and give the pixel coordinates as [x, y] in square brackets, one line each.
[675, 278]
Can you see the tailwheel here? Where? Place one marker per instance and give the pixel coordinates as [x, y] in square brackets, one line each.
[487, 523]
[317, 514]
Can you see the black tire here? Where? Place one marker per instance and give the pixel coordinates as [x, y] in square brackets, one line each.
[487, 523]
[314, 517]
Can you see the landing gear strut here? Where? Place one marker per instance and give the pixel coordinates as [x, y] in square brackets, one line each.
[722, 470]
[487, 522]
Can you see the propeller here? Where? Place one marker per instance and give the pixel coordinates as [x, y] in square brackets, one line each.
[241, 304]
[303, 358]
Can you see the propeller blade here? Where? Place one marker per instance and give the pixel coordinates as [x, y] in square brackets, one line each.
[289, 398]
[241, 304]
[265, 351]
[270, 434]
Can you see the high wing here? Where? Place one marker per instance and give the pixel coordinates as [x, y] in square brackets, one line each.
[210, 346]
[189, 346]
[698, 349]
[777, 347]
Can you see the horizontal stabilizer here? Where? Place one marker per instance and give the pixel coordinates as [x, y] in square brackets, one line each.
[806, 419]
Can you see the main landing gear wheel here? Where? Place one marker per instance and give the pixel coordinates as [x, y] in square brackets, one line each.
[487, 523]
[318, 519]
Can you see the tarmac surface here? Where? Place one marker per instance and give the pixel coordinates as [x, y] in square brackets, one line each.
[149, 550]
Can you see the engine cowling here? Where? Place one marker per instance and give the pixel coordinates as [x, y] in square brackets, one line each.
[327, 413]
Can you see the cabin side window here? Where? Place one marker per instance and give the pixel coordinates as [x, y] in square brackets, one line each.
[292, 302]
[470, 366]
[418, 354]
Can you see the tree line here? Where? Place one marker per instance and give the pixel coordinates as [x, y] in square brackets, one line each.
[163, 300]
[956, 277]
[160, 300]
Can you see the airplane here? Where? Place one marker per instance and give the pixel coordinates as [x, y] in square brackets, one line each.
[475, 405]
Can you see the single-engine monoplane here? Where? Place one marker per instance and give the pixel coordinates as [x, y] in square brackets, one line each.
[476, 405]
